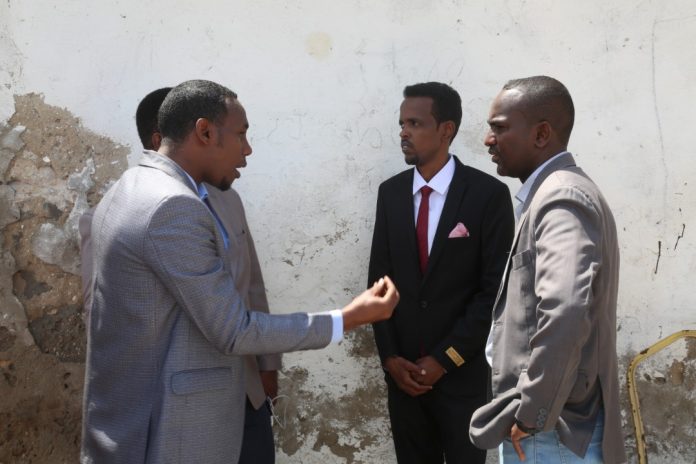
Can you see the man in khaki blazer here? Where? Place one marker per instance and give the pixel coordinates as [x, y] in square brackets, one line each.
[552, 345]
[261, 372]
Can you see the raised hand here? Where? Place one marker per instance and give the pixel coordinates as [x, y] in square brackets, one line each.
[374, 304]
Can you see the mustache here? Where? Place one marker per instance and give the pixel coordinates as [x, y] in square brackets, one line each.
[493, 152]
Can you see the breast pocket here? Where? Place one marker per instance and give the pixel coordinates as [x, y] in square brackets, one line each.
[522, 259]
[521, 289]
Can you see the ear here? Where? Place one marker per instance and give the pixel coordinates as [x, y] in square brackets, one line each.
[156, 140]
[203, 131]
[542, 134]
[448, 129]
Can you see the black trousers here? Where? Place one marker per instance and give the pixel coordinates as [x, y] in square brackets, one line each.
[257, 445]
[433, 427]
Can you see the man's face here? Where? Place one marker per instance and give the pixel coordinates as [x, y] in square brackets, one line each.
[231, 147]
[510, 139]
[421, 136]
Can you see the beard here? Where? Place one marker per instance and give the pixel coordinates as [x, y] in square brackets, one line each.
[411, 159]
[224, 185]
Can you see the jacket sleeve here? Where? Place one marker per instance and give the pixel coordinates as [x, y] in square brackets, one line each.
[182, 250]
[567, 228]
[470, 332]
[380, 265]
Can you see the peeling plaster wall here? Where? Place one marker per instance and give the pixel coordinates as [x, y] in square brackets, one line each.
[321, 83]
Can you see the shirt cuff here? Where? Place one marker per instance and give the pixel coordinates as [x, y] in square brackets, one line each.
[337, 326]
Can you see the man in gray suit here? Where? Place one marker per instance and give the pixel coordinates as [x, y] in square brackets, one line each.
[552, 346]
[164, 380]
[261, 372]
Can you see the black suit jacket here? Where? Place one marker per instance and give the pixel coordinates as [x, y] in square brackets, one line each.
[451, 305]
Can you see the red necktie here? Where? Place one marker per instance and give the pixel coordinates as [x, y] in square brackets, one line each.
[422, 228]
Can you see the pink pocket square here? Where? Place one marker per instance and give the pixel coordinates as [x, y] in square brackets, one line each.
[459, 230]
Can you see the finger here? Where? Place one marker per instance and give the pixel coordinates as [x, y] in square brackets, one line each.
[419, 392]
[518, 448]
[390, 285]
[416, 386]
[390, 291]
[412, 367]
[382, 291]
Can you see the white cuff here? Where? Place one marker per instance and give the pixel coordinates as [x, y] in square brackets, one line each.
[337, 326]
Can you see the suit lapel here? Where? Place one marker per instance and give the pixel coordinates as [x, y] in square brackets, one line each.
[152, 159]
[564, 161]
[448, 218]
[224, 212]
[506, 273]
[406, 218]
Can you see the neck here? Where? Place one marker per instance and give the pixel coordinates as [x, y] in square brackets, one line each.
[429, 170]
[180, 155]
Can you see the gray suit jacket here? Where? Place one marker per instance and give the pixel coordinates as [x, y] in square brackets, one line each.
[161, 384]
[245, 270]
[554, 320]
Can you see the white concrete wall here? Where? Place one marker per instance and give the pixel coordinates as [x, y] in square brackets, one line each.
[322, 84]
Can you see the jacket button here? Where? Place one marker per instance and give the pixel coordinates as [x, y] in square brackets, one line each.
[424, 304]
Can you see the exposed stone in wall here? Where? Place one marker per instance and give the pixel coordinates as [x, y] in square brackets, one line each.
[347, 426]
[51, 170]
[666, 385]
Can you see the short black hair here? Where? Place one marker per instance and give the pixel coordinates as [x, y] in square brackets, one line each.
[546, 98]
[146, 115]
[189, 101]
[447, 104]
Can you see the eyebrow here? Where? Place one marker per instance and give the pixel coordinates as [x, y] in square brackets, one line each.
[401, 121]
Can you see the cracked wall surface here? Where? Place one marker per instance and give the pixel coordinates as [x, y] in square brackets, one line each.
[666, 384]
[322, 88]
[52, 170]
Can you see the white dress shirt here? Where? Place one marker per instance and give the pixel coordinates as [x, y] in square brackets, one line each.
[440, 184]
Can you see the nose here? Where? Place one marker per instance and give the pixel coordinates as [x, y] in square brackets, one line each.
[247, 149]
[489, 139]
[403, 133]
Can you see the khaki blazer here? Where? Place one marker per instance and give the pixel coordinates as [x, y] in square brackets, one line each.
[554, 320]
[246, 273]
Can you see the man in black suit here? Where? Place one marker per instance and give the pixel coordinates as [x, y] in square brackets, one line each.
[442, 233]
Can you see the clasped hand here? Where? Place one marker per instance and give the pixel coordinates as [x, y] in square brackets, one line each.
[414, 378]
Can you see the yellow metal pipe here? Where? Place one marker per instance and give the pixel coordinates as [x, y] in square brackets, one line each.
[633, 390]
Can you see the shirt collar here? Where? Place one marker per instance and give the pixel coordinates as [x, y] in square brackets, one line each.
[440, 182]
[200, 188]
[523, 192]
